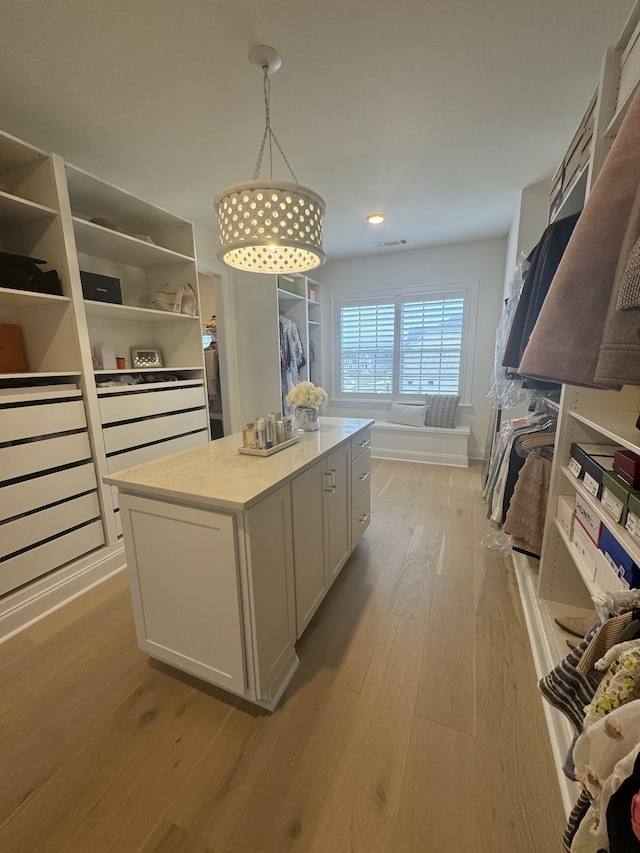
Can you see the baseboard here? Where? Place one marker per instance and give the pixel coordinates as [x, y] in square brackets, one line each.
[421, 456]
[25, 606]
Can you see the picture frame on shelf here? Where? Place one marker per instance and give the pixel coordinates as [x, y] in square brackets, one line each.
[146, 357]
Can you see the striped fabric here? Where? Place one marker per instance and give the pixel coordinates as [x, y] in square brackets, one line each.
[569, 690]
[575, 819]
[604, 639]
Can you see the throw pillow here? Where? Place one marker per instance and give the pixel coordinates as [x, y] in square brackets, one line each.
[404, 413]
[441, 410]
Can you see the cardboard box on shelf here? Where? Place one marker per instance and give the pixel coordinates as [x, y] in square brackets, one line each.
[12, 357]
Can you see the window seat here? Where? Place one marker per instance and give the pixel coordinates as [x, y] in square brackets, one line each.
[436, 445]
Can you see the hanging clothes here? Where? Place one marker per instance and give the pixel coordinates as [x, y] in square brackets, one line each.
[575, 340]
[507, 461]
[291, 359]
[527, 510]
[544, 261]
[212, 374]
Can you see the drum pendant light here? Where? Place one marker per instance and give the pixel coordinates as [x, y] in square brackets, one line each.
[267, 225]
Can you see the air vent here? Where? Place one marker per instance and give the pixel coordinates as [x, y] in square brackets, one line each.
[390, 243]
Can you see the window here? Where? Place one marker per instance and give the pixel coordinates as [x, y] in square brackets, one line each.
[403, 345]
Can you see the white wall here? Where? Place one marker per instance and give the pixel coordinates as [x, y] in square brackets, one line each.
[482, 261]
[207, 244]
[526, 229]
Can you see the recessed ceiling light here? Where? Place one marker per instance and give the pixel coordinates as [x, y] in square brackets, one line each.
[375, 218]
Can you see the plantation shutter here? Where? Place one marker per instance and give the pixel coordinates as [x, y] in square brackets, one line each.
[430, 345]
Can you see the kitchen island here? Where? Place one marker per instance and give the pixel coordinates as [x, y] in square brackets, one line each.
[230, 555]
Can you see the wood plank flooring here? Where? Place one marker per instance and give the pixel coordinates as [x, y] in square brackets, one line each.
[413, 724]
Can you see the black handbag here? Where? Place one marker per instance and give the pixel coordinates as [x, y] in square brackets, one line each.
[21, 272]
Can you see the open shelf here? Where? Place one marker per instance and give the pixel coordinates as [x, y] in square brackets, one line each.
[631, 546]
[30, 377]
[128, 371]
[127, 389]
[548, 647]
[285, 296]
[115, 311]
[10, 298]
[101, 242]
[618, 426]
[16, 210]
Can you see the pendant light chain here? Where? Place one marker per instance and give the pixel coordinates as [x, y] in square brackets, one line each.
[268, 132]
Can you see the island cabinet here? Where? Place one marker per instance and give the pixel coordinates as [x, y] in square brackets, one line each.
[321, 509]
[230, 555]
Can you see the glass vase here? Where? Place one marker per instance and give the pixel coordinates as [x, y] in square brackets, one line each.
[307, 418]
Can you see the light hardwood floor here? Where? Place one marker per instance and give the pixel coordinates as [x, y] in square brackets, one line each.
[413, 724]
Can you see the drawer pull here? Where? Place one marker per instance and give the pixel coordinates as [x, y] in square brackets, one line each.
[364, 443]
[364, 518]
[365, 477]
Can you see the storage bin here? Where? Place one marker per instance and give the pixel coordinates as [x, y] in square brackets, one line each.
[594, 468]
[587, 518]
[626, 464]
[618, 557]
[587, 550]
[615, 496]
[565, 514]
[579, 451]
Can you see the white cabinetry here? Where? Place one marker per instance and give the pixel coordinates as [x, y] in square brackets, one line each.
[360, 485]
[45, 207]
[230, 555]
[321, 520]
[564, 582]
[176, 585]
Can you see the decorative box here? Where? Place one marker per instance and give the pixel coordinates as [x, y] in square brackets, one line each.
[580, 450]
[626, 464]
[594, 468]
[587, 550]
[100, 288]
[633, 515]
[587, 518]
[565, 514]
[623, 563]
[615, 496]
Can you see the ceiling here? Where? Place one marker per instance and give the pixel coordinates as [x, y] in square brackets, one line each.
[437, 112]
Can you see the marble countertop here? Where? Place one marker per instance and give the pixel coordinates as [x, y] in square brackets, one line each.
[215, 475]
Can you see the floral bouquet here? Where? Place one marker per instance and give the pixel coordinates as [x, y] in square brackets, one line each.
[307, 394]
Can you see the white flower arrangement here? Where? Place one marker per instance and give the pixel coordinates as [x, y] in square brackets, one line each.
[307, 394]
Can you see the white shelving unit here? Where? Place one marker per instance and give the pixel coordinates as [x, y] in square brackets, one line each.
[561, 583]
[54, 409]
[295, 302]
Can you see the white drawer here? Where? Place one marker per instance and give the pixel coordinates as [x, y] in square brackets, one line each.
[360, 477]
[28, 495]
[50, 555]
[128, 435]
[140, 404]
[360, 517]
[18, 422]
[155, 451]
[25, 531]
[360, 443]
[21, 460]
